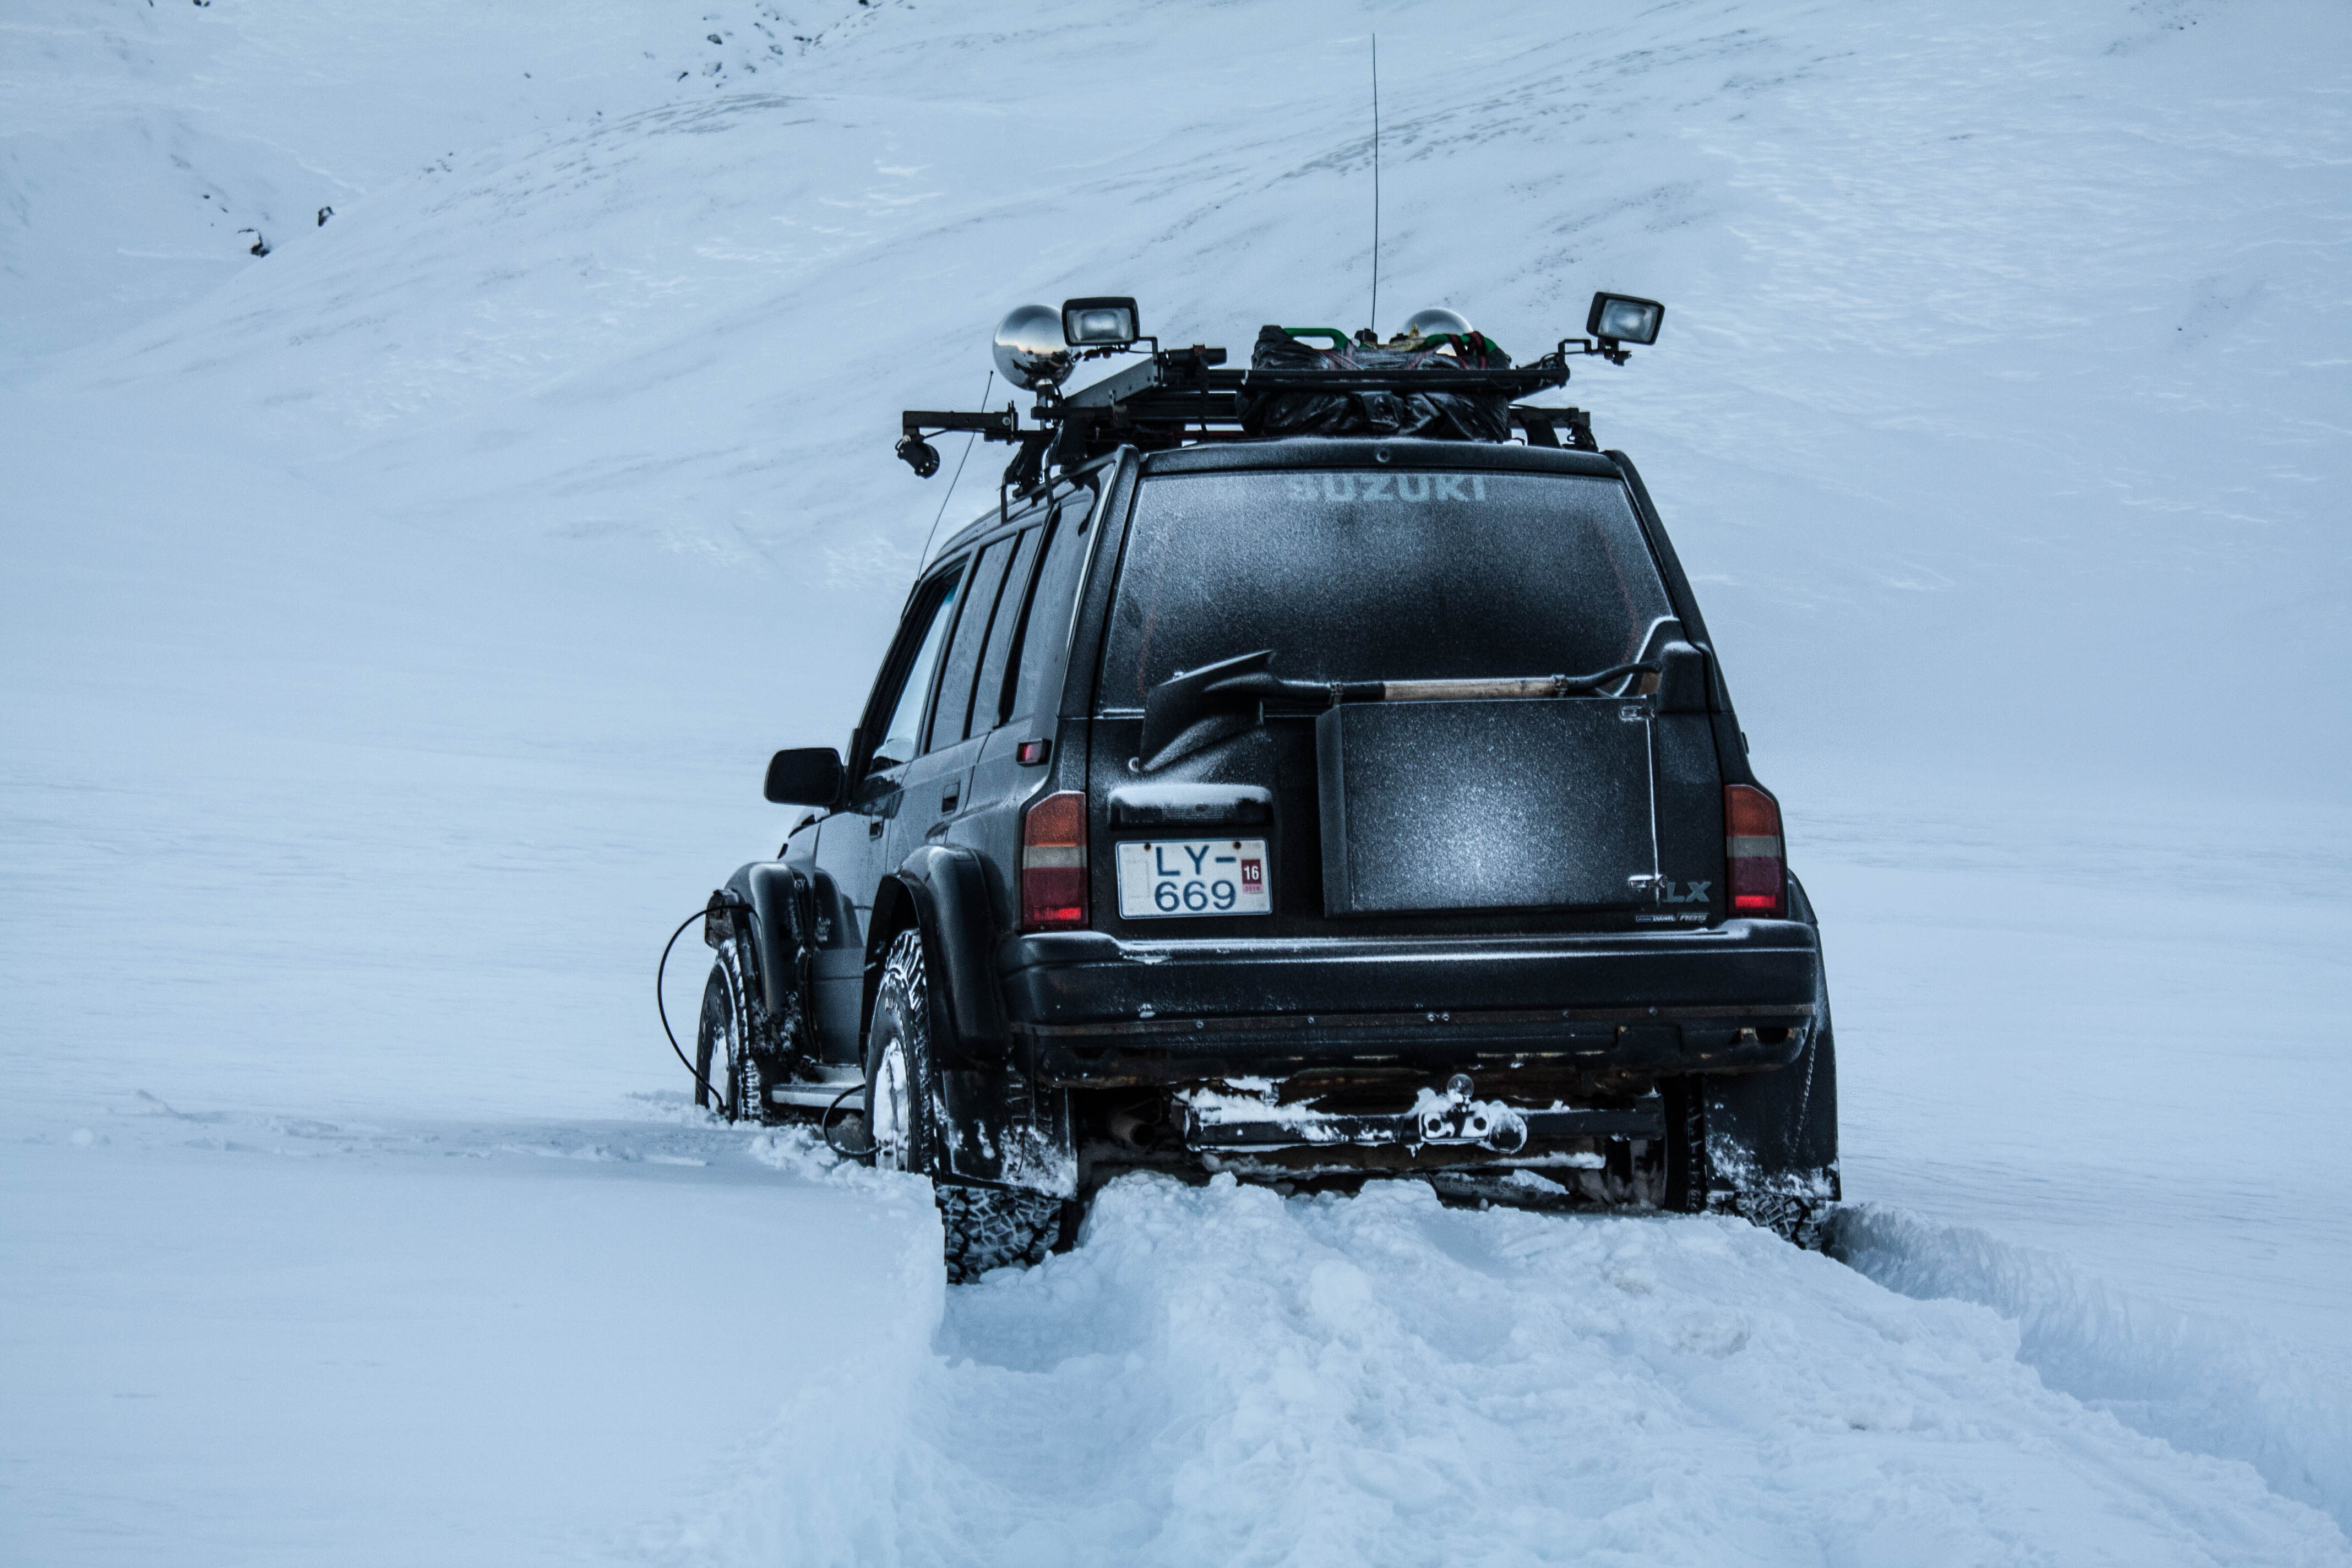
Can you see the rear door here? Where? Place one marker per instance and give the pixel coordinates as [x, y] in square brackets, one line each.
[936, 782]
[1019, 688]
[1401, 816]
[1000, 781]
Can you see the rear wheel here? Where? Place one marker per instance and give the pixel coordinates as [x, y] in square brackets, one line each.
[1760, 1145]
[986, 1227]
[1686, 1174]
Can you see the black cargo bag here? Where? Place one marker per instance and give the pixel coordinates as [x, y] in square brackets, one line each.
[1437, 414]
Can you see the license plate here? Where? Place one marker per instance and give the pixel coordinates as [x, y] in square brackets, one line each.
[1165, 876]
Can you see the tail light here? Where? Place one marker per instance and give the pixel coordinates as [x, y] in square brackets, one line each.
[1751, 828]
[1053, 863]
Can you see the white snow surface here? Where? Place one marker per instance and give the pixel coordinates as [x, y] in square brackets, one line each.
[392, 627]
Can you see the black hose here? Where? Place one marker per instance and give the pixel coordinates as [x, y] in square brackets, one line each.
[661, 970]
[824, 1126]
[662, 1007]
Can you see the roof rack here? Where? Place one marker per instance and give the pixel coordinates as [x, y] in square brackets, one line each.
[1176, 397]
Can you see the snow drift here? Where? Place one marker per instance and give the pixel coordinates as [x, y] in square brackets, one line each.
[1220, 1374]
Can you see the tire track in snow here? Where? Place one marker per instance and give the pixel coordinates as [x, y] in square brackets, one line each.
[2201, 1383]
[1219, 1374]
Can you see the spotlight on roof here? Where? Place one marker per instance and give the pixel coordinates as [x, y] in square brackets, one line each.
[1108, 322]
[1031, 351]
[1621, 319]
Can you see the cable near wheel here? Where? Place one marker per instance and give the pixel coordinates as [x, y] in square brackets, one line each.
[724, 1102]
[825, 1125]
[660, 1006]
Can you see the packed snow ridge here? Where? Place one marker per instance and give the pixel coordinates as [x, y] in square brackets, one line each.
[1220, 1374]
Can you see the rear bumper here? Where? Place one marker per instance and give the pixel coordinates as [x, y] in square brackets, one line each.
[1090, 1009]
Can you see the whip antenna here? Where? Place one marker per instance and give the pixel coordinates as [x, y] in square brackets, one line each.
[990, 385]
[1375, 322]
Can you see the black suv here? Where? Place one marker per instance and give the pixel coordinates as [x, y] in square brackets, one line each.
[1307, 808]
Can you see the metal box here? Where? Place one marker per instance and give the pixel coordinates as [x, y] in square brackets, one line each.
[1484, 805]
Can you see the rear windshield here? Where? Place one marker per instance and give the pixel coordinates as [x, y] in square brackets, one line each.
[1368, 576]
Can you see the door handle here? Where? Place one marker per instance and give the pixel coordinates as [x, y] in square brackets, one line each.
[948, 801]
[873, 828]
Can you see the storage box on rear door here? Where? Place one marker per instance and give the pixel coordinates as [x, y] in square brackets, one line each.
[1467, 805]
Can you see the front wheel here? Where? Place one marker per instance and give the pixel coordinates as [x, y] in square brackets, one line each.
[713, 1053]
[729, 1080]
[984, 1227]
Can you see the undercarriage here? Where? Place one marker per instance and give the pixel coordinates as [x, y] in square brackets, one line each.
[1528, 1137]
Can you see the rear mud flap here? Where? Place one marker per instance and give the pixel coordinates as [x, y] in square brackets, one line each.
[1770, 1142]
[1004, 1131]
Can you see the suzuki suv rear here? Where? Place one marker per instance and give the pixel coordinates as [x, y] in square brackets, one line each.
[1310, 809]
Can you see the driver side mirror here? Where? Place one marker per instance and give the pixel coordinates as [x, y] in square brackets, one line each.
[805, 776]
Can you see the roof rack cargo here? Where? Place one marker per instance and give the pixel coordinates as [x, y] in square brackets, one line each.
[1174, 397]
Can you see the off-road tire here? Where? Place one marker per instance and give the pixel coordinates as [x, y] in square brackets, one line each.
[714, 1084]
[1686, 1182]
[724, 1060]
[988, 1227]
[985, 1228]
[748, 1093]
[1803, 1222]
[899, 1067]
[1696, 1185]
[1706, 1174]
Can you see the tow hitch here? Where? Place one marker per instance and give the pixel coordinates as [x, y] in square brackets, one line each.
[1453, 1116]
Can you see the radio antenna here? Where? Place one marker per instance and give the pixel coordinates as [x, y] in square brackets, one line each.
[1375, 322]
[920, 561]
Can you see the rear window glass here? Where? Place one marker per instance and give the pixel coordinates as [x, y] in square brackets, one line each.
[1373, 575]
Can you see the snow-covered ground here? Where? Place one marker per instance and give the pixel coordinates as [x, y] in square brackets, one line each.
[392, 627]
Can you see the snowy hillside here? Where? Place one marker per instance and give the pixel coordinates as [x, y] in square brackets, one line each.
[391, 626]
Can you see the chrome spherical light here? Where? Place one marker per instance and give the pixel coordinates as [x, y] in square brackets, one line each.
[1431, 323]
[1029, 349]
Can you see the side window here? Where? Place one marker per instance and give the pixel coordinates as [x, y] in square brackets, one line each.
[1045, 626]
[898, 736]
[988, 694]
[962, 661]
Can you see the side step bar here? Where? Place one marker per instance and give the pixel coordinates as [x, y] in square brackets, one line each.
[816, 1096]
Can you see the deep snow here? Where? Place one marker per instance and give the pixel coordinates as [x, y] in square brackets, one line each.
[391, 627]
